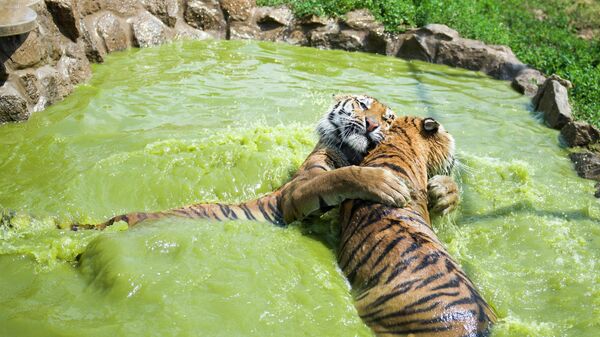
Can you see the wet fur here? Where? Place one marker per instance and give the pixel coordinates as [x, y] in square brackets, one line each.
[404, 279]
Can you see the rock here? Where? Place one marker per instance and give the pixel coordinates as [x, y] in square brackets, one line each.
[322, 37]
[297, 37]
[267, 24]
[362, 19]
[243, 30]
[440, 44]
[313, 21]
[54, 86]
[416, 47]
[441, 32]
[206, 15]
[350, 40]
[87, 7]
[65, 17]
[392, 44]
[565, 83]
[109, 28]
[496, 61]
[587, 164]
[185, 32]
[528, 81]
[376, 42]
[597, 194]
[422, 43]
[274, 17]
[76, 70]
[28, 81]
[25, 50]
[238, 10]
[94, 46]
[579, 134]
[148, 31]
[552, 99]
[165, 10]
[121, 7]
[13, 106]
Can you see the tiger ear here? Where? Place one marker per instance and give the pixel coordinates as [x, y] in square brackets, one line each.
[339, 97]
[430, 125]
[389, 115]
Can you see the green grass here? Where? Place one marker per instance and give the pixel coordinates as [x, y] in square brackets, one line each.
[550, 45]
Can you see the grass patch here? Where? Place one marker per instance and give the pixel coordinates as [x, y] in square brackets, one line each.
[542, 33]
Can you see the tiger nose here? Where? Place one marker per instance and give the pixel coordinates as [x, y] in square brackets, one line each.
[371, 124]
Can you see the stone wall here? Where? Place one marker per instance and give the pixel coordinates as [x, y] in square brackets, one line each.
[41, 67]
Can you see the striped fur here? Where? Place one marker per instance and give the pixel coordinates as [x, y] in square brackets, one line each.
[354, 125]
[406, 282]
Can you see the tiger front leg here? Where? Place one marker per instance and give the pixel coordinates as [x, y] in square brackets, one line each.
[443, 194]
[352, 182]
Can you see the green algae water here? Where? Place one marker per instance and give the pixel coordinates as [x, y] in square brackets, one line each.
[228, 121]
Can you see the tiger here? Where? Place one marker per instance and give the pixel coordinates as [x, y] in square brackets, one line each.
[330, 174]
[404, 280]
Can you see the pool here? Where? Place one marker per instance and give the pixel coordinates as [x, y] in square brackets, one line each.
[228, 121]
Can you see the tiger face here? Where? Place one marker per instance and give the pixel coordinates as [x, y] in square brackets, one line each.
[355, 124]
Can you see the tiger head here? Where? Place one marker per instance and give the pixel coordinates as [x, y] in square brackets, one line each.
[355, 124]
[418, 147]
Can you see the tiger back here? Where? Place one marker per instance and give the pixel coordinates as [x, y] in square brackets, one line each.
[405, 281]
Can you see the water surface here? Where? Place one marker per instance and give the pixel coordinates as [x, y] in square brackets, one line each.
[228, 121]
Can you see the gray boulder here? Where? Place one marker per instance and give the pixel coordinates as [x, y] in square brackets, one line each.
[587, 164]
[123, 8]
[422, 43]
[552, 99]
[206, 15]
[13, 106]
[66, 17]
[29, 82]
[149, 31]
[274, 17]
[165, 10]
[185, 32]
[363, 20]
[112, 32]
[440, 44]
[54, 86]
[238, 10]
[322, 37]
[580, 134]
[528, 81]
[497, 61]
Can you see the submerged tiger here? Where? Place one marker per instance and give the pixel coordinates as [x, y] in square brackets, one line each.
[329, 175]
[404, 279]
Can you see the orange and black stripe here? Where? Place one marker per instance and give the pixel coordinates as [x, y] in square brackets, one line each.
[405, 280]
[265, 209]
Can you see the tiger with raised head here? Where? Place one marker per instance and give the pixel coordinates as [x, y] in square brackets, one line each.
[405, 281]
[329, 175]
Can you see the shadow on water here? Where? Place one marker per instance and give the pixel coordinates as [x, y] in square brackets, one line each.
[527, 208]
[324, 228]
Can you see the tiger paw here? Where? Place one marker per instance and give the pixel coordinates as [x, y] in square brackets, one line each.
[443, 194]
[383, 186]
